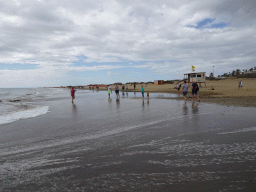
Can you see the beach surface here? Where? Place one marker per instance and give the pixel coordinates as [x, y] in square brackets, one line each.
[225, 91]
[100, 144]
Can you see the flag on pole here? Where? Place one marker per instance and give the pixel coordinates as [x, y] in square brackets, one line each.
[193, 68]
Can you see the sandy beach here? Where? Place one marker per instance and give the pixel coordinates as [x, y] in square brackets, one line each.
[225, 91]
[100, 144]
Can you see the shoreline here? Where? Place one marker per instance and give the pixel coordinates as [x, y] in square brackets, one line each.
[228, 101]
[208, 97]
[226, 91]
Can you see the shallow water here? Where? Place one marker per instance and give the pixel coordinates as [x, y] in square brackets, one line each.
[100, 144]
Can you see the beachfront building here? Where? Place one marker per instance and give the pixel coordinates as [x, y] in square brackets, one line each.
[158, 82]
[253, 71]
[198, 77]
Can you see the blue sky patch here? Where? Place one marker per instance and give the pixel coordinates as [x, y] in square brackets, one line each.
[204, 22]
[208, 23]
[18, 66]
[81, 62]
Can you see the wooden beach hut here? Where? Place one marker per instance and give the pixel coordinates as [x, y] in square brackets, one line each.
[158, 82]
[198, 77]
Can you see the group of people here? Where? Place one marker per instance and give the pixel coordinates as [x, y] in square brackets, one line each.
[194, 90]
[117, 91]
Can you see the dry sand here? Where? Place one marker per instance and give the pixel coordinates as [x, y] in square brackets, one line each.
[225, 91]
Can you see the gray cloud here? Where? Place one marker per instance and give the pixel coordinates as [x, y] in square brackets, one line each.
[54, 33]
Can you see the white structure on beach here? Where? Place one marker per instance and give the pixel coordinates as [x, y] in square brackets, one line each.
[198, 77]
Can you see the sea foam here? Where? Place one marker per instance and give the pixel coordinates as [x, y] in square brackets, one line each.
[239, 131]
[24, 114]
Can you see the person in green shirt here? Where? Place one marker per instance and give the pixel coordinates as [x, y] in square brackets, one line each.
[142, 91]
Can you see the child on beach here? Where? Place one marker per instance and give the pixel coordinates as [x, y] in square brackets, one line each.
[148, 94]
[109, 89]
[73, 94]
[185, 90]
[142, 91]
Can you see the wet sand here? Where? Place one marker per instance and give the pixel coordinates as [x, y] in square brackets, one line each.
[131, 145]
[229, 101]
[225, 91]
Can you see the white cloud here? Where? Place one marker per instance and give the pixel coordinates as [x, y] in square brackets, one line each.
[52, 34]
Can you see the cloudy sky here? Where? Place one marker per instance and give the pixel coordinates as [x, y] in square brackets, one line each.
[79, 42]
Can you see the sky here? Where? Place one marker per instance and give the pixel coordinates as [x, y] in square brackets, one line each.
[47, 43]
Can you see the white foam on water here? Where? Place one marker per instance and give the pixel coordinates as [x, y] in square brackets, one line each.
[239, 131]
[14, 116]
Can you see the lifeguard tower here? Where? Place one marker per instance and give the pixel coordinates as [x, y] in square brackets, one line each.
[198, 77]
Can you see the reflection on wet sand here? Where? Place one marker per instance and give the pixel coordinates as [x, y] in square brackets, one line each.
[74, 109]
[118, 104]
[185, 109]
[143, 105]
[195, 107]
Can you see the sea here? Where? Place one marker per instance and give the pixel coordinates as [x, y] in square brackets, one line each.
[22, 103]
[130, 144]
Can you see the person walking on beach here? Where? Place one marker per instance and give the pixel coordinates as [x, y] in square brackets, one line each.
[109, 90]
[148, 94]
[117, 92]
[134, 86]
[73, 94]
[240, 84]
[194, 91]
[126, 88]
[185, 90]
[142, 91]
[178, 87]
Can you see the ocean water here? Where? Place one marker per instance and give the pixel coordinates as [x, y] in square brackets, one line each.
[22, 103]
[100, 144]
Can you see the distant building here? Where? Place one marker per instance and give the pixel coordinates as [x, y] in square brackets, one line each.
[158, 82]
[198, 77]
[221, 77]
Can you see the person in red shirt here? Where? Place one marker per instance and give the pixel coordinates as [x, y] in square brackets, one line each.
[73, 94]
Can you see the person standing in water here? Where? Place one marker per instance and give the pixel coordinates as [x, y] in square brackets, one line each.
[142, 91]
[117, 92]
[185, 90]
[73, 94]
[194, 91]
[109, 89]
[148, 94]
